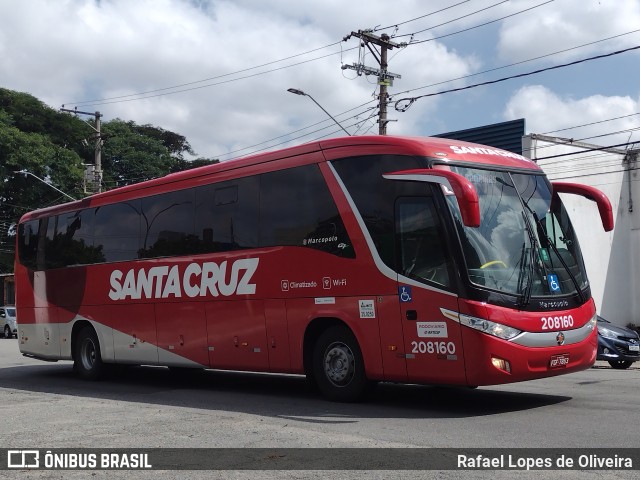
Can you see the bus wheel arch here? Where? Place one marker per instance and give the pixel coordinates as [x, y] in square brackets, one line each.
[86, 351]
[333, 360]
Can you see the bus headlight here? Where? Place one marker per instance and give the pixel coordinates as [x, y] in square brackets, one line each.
[489, 327]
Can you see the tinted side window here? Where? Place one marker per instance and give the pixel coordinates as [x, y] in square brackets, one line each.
[375, 197]
[52, 254]
[296, 208]
[167, 223]
[227, 215]
[117, 231]
[28, 240]
[74, 239]
[420, 240]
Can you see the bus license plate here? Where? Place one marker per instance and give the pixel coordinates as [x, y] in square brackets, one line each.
[559, 361]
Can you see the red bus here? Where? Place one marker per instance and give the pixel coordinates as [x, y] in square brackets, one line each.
[351, 260]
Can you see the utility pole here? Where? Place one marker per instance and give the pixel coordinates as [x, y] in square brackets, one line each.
[385, 78]
[97, 172]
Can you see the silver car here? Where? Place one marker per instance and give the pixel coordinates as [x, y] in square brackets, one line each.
[8, 322]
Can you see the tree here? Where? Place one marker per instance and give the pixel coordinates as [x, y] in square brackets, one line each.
[182, 165]
[36, 154]
[134, 153]
[54, 146]
[177, 145]
[129, 157]
[30, 115]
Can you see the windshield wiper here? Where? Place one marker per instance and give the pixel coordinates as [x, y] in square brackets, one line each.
[526, 294]
[525, 297]
[550, 242]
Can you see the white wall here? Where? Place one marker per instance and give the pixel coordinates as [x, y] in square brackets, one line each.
[612, 258]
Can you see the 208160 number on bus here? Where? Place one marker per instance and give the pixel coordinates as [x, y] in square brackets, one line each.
[441, 348]
[555, 323]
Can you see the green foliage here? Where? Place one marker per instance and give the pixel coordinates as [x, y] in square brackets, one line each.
[177, 145]
[182, 165]
[30, 115]
[131, 157]
[134, 153]
[53, 146]
[20, 193]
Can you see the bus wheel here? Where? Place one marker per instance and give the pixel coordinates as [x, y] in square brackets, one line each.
[338, 366]
[87, 360]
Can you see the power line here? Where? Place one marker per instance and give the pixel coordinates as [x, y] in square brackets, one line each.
[435, 84]
[460, 18]
[571, 141]
[476, 26]
[171, 90]
[592, 123]
[302, 136]
[396, 25]
[276, 61]
[518, 63]
[605, 161]
[598, 173]
[207, 79]
[412, 100]
[585, 149]
[301, 129]
[109, 101]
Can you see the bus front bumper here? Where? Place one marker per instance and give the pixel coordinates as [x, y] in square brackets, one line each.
[490, 360]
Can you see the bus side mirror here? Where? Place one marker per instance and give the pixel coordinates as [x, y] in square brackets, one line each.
[591, 193]
[463, 189]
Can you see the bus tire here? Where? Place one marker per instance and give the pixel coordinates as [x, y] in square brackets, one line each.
[87, 359]
[338, 366]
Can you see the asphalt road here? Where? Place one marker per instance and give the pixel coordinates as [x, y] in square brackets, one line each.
[43, 405]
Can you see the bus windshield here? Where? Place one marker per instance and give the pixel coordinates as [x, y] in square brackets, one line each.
[525, 244]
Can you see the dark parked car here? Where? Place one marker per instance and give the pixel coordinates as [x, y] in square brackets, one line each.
[620, 346]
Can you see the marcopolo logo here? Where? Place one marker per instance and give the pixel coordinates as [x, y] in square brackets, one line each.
[196, 280]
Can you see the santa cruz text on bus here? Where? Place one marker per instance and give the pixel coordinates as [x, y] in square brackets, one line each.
[208, 278]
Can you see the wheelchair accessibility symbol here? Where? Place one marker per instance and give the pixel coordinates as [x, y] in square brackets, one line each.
[404, 293]
[554, 284]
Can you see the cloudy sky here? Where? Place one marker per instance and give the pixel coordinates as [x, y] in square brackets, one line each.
[217, 71]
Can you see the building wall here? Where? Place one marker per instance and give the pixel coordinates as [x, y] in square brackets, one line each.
[612, 258]
[7, 290]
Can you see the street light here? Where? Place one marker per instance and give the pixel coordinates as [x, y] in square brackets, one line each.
[25, 173]
[300, 92]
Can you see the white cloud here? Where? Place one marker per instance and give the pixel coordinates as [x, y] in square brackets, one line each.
[545, 111]
[84, 50]
[567, 24]
[73, 50]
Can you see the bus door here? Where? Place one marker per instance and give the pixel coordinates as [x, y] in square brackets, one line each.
[432, 341]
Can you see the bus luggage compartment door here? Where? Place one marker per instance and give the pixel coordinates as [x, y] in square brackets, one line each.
[432, 342]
